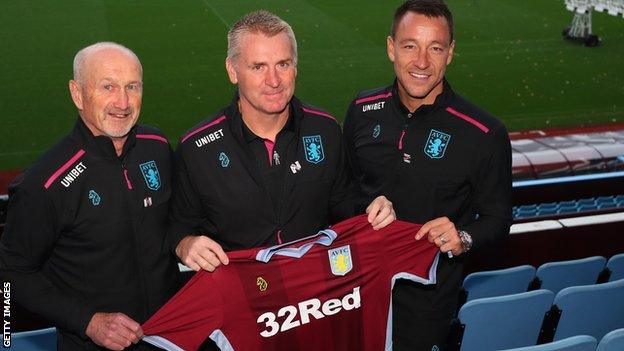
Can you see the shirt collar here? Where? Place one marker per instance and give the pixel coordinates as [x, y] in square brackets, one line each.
[239, 126]
[101, 145]
[441, 101]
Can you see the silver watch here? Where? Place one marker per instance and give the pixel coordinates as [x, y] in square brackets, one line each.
[466, 240]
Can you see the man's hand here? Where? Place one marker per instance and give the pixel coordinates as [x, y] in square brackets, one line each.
[114, 331]
[380, 212]
[442, 232]
[201, 252]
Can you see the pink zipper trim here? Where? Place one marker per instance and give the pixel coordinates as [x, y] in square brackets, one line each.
[128, 183]
[269, 147]
[401, 140]
[63, 168]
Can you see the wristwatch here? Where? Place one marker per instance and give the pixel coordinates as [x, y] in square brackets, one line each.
[466, 240]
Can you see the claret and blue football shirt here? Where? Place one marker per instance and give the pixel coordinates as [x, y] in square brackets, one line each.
[330, 291]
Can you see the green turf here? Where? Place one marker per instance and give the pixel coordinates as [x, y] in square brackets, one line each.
[510, 59]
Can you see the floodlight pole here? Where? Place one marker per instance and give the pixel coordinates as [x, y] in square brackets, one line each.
[581, 27]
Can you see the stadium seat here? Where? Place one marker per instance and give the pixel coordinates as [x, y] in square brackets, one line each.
[616, 267]
[590, 310]
[499, 282]
[555, 276]
[34, 340]
[605, 200]
[495, 323]
[587, 207]
[547, 212]
[587, 201]
[613, 341]
[575, 343]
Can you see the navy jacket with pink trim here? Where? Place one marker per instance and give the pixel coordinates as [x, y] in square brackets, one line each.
[220, 191]
[85, 231]
[447, 159]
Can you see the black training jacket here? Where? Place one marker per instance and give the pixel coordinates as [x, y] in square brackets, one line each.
[447, 159]
[220, 190]
[86, 231]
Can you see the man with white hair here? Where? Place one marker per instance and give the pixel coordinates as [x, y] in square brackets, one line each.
[84, 243]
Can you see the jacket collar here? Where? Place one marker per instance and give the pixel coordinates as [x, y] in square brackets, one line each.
[441, 101]
[100, 145]
[244, 133]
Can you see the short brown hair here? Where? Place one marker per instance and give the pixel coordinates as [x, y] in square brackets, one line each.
[429, 8]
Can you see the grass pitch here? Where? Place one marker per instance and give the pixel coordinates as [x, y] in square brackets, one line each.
[510, 59]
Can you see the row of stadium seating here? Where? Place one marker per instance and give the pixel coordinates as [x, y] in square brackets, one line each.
[613, 341]
[553, 276]
[568, 207]
[502, 314]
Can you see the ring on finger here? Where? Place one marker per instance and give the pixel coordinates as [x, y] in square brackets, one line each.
[442, 241]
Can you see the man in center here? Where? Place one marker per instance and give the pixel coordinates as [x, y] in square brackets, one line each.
[267, 168]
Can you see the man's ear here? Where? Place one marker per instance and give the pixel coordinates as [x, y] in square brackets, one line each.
[76, 93]
[390, 47]
[451, 52]
[231, 71]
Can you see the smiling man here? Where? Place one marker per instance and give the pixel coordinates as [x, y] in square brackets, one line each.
[266, 169]
[441, 160]
[85, 243]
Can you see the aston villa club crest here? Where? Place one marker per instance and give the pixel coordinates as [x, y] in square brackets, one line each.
[313, 148]
[436, 144]
[340, 260]
[150, 174]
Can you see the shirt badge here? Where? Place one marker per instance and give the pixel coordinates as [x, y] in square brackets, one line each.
[225, 160]
[94, 197]
[340, 260]
[436, 144]
[376, 131]
[313, 148]
[262, 284]
[150, 174]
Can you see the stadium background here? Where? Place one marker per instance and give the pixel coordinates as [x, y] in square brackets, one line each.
[510, 59]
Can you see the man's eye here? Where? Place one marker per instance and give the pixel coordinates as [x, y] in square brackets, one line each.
[109, 87]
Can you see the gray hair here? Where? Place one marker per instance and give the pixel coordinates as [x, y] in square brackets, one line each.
[259, 22]
[81, 56]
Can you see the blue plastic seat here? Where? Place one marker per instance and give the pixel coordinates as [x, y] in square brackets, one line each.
[498, 282]
[575, 343]
[590, 310]
[613, 341]
[605, 199]
[616, 266]
[588, 201]
[555, 276]
[34, 340]
[526, 214]
[547, 212]
[495, 323]
[547, 206]
[587, 207]
[607, 205]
